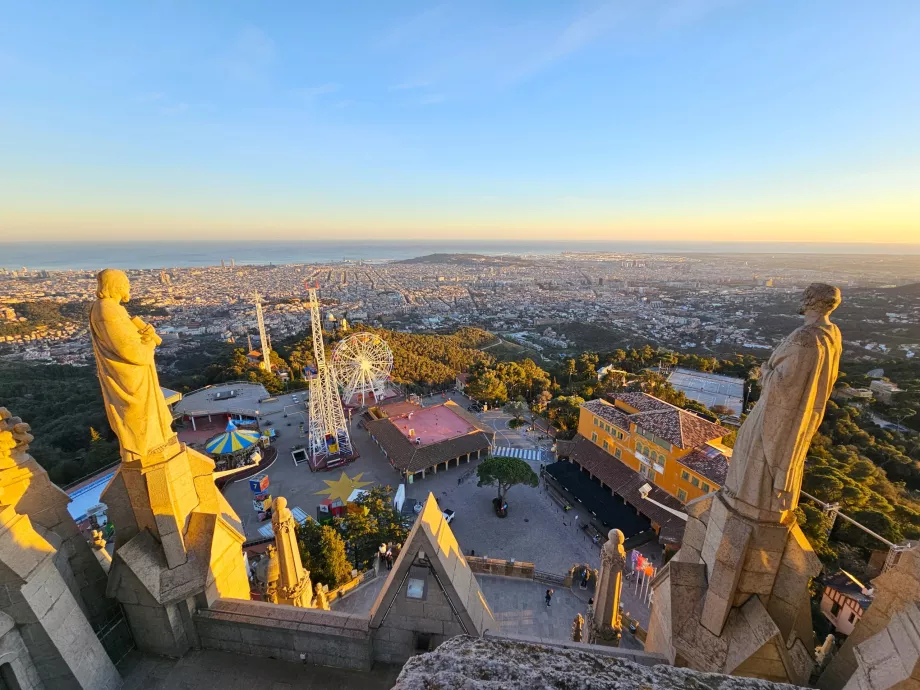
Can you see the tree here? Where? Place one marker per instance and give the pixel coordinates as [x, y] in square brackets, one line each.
[487, 387]
[571, 366]
[505, 472]
[563, 412]
[376, 522]
[516, 408]
[322, 551]
[902, 413]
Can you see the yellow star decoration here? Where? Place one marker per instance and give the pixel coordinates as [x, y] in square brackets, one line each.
[342, 487]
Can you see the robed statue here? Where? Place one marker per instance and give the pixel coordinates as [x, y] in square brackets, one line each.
[123, 346]
[769, 455]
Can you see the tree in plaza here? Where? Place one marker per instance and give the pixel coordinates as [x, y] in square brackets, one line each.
[505, 472]
[322, 551]
[371, 521]
[487, 387]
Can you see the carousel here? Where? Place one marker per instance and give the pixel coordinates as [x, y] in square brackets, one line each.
[235, 448]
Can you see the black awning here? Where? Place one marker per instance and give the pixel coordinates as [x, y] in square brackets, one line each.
[610, 509]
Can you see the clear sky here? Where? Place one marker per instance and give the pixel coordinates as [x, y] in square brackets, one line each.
[615, 119]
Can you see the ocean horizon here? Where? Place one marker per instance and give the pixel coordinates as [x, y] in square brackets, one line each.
[65, 256]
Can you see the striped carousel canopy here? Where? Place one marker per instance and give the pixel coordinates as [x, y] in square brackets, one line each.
[232, 440]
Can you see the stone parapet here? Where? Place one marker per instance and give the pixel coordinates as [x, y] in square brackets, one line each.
[495, 566]
[288, 633]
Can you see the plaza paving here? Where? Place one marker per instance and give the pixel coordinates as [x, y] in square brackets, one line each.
[536, 529]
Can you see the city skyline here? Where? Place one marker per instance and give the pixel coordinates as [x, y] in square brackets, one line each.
[683, 120]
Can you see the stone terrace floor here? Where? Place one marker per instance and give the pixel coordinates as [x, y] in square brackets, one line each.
[211, 669]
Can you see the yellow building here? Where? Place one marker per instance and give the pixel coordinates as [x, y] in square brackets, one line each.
[677, 451]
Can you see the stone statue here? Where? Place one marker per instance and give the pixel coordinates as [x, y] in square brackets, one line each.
[766, 468]
[321, 601]
[21, 438]
[578, 627]
[123, 346]
[605, 623]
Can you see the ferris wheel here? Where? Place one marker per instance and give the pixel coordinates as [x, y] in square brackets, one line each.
[362, 363]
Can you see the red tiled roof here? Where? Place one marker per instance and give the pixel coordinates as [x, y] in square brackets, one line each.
[408, 456]
[608, 413]
[672, 424]
[625, 482]
[642, 401]
[710, 464]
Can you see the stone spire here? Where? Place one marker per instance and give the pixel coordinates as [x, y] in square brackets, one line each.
[294, 585]
[606, 626]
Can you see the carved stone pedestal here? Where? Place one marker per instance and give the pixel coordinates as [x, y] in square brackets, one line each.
[735, 597]
[177, 546]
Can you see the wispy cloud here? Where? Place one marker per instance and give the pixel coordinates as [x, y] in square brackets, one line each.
[311, 92]
[467, 48]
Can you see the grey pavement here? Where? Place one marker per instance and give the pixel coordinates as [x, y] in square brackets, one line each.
[519, 607]
[211, 669]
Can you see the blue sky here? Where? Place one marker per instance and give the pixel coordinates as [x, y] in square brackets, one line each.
[644, 119]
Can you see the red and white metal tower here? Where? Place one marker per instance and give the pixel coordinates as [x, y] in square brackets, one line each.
[329, 436]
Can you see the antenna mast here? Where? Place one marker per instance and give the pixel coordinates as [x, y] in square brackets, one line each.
[263, 337]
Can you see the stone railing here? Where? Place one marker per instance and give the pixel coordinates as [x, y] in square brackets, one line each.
[342, 590]
[494, 566]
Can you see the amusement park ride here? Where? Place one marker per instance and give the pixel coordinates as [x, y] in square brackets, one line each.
[329, 439]
[361, 365]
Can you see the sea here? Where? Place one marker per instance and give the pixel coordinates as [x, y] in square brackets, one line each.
[65, 256]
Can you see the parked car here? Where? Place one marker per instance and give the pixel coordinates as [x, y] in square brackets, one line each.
[448, 515]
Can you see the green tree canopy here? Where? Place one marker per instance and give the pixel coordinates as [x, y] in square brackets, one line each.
[365, 530]
[322, 551]
[504, 472]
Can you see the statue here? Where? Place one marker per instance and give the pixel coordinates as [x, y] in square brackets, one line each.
[606, 625]
[766, 469]
[19, 433]
[321, 601]
[578, 626]
[123, 346]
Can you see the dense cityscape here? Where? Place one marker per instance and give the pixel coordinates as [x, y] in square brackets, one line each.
[549, 307]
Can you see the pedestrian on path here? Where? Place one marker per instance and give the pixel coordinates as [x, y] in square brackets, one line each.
[549, 596]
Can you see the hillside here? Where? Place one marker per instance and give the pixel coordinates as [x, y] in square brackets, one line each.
[462, 259]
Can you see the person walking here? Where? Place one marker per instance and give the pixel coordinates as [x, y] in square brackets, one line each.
[549, 596]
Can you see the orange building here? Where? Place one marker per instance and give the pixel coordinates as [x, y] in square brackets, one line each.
[675, 450]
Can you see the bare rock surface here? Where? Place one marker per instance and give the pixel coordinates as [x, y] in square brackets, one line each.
[468, 663]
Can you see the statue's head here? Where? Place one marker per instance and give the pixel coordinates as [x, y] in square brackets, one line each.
[113, 284]
[821, 298]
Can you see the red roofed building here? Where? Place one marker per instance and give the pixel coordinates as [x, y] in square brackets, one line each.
[419, 440]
